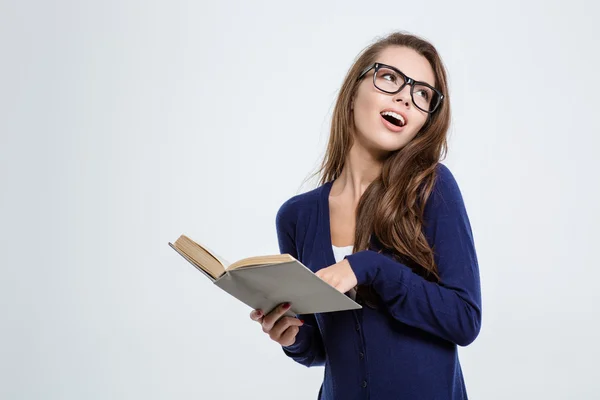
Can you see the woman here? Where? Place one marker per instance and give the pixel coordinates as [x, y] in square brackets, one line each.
[387, 226]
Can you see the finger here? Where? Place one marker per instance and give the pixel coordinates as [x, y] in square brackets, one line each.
[272, 317]
[256, 315]
[340, 287]
[323, 275]
[288, 337]
[283, 324]
[330, 280]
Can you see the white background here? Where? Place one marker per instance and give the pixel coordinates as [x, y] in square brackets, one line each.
[125, 124]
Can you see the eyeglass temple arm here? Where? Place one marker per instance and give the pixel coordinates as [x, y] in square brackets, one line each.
[366, 70]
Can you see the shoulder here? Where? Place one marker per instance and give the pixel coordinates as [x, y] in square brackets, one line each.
[298, 205]
[446, 194]
[445, 182]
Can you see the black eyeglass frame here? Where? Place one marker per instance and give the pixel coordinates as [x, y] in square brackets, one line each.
[407, 81]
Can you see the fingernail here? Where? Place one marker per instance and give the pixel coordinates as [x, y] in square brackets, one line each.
[258, 313]
[286, 305]
[302, 320]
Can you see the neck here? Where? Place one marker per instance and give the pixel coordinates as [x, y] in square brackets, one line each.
[360, 169]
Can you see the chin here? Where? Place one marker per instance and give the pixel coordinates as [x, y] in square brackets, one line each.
[384, 140]
[391, 141]
[385, 145]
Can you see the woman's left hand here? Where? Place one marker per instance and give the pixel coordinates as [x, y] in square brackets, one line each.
[339, 275]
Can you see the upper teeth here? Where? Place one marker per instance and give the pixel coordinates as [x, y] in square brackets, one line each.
[395, 115]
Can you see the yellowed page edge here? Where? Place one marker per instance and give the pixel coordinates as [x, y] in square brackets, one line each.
[185, 241]
[261, 260]
[220, 259]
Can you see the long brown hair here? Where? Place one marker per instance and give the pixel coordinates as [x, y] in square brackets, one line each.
[393, 204]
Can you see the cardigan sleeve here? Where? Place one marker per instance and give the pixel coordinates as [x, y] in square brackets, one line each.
[450, 309]
[308, 349]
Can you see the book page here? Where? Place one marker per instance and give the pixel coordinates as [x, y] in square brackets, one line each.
[201, 257]
[222, 260]
[261, 260]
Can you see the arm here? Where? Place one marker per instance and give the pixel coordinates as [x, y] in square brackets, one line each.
[308, 348]
[450, 309]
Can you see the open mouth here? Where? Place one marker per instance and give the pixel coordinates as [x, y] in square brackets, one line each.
[393, 118]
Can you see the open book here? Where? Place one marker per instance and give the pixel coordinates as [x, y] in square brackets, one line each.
[264, 282]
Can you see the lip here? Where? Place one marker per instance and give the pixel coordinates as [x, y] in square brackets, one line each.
[391, 126]
[397, 112]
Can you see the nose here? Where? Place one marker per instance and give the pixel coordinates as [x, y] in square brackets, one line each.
[403, 96]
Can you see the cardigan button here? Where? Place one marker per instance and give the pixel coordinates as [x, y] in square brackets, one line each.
[357, 327]
[361, 355]
[364, 384]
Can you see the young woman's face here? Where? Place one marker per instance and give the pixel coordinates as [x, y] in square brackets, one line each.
[371, 128]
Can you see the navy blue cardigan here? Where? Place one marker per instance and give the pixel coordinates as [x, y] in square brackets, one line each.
[407, 347]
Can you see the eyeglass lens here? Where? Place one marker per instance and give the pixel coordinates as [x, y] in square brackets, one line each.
[388, 80]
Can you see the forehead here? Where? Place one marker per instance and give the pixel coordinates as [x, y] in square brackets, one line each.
[408, 61]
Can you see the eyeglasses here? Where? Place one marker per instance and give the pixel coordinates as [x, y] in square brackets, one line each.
[391, 80]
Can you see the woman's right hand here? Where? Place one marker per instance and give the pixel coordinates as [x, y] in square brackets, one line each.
[281, 329]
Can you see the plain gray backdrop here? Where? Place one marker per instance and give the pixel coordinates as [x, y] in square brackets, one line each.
[126, 123]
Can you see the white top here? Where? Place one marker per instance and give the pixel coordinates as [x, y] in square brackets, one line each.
[339, 254]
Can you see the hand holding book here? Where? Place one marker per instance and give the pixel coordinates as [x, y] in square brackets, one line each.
[280, 328]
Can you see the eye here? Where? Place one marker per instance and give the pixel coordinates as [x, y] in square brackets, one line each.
[389, 76]
[423, 93]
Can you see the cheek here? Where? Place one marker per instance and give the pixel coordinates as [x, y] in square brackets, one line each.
[420, 124]
[364, 123]
[364, 115]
